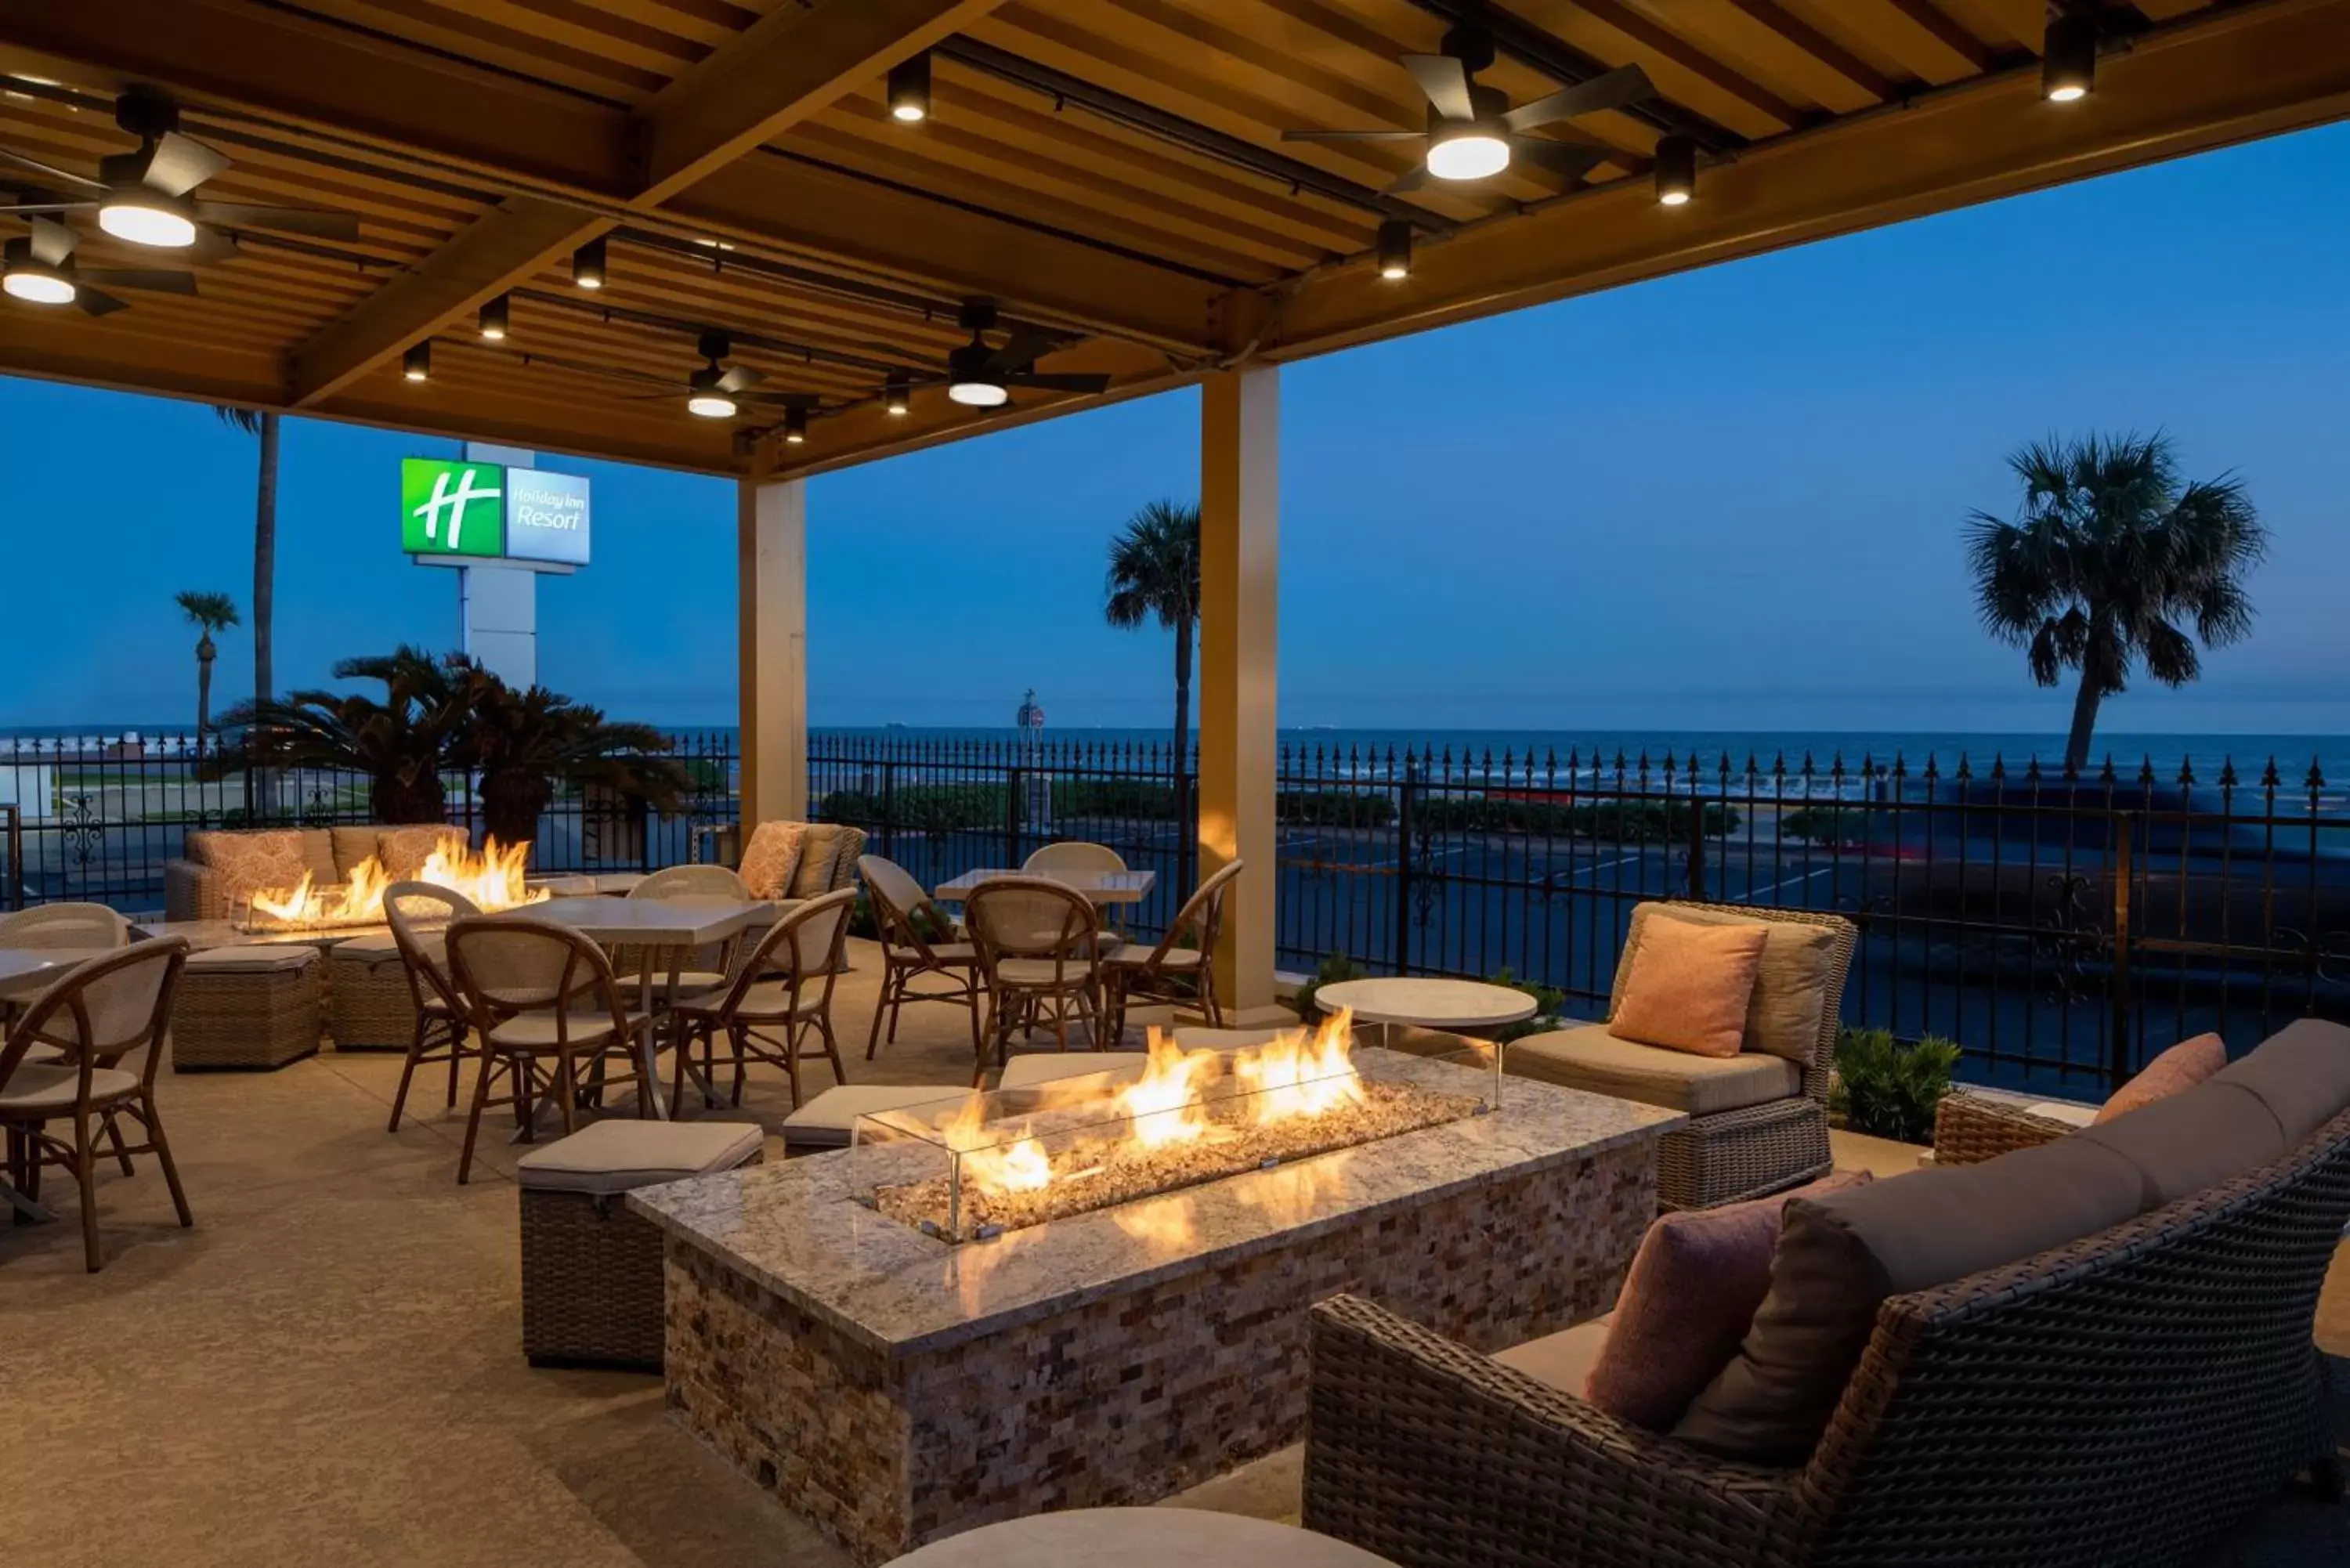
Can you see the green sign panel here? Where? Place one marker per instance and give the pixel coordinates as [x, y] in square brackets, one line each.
[452, 508]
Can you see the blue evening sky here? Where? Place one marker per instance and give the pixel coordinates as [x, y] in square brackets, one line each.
[1728, 500]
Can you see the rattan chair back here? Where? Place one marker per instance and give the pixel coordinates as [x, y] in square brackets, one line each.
[1033, 917]
[53, 926]
[417, 911]
[505, 966]
[898, 902]
[805, 945]
[691, 882]
[1203, 914]
[1074, 856]
[100, 1012]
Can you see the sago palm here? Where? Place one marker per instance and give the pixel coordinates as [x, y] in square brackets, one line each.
[1154, 575]
[2110, 562]
[401, 743]
[208, 613]
[522, 743]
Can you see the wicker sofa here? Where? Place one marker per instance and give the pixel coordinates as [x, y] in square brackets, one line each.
[193, 889]
[2125, 1397]
[1758, 1122]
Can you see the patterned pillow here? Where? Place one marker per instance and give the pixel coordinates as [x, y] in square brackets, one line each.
[769, 859]
[250, 863]
[1689, 988]
[402, 851]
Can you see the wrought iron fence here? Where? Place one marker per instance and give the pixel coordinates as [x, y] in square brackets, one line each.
[96, 820]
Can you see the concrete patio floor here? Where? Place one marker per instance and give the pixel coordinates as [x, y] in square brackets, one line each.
[328, 1368]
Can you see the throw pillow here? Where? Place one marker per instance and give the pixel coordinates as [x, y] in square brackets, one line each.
[1689, 988]
[402, 851]
[2182, 1066]
[250, 863]
[1791, 987]
[820, 856]
[769, 858]
[1690, 1298]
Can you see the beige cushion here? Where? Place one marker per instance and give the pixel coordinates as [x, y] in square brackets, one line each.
[827, 1121]
[537, 1031]
[1589, 1057]
[771, 857]
[1839, 1257]
[945, 953]
[1137, 955]
[1043, 970]
[347, 846]
[617, 1154]
[258, 957]
[820, 846]
[33, 1088]
[1205, 1039]
[250, 863]
[1784, 1015]
[2196, 1138]
[2071, 1113]
[1688, 987]
[1027, 1070]
[1564, 1360]
[2302, 1074]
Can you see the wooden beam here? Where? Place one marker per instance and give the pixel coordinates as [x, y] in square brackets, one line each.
[501, 248]
[2227, 77]
[788, 65]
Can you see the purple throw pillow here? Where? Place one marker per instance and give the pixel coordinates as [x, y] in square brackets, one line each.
[1688, 1301]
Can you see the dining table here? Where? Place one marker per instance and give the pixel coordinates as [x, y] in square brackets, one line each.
[1100, 886]
[670, 930]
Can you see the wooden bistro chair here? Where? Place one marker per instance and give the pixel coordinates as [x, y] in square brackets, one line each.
[907, 919]
[774, 999]
[1039, 956]
[709, 968]
[94, 1016]
[419, 914]
[1168, 972]
[51, 928]
[1076, 855]
[537, 990]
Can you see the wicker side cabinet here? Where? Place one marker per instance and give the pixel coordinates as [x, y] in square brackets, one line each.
[247, 1007]
[591, 1270]
[368, 1007]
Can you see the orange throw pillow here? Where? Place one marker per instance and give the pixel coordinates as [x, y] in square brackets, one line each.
[1690, 986]
[2182, 1066]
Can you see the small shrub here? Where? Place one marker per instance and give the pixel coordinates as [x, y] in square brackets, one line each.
[1888, 1088]
[1334, 968]
[1333, 809]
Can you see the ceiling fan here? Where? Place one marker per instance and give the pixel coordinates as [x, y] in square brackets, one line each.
[39, 268]
[981, 377]
[718, 391]
[143, 197]
[1472, 132]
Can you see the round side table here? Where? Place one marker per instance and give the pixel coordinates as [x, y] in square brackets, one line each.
[1456, 1005]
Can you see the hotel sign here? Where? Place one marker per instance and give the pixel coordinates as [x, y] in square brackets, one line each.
[486, 511]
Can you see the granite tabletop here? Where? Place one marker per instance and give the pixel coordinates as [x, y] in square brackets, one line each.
[798, 1229]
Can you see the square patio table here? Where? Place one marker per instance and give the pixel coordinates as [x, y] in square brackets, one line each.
[24, 972]
[675, 926]
[1100, 886]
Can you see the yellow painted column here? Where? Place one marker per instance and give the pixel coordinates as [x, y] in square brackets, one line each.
[1240, 551]
[771, 529]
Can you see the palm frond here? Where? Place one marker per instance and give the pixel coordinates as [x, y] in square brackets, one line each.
[247, 419]
[1154, 569]
[213, 612]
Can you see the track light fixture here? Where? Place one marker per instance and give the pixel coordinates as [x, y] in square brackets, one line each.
[795, 427]
[1395, 248]
[417, 363]
[2068, 59]
[897, 397]
[909, 89]
[588, 264]
[493, 317]
[1676, 170]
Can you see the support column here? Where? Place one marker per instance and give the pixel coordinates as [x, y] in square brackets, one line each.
[1240, 549]
[771, 526]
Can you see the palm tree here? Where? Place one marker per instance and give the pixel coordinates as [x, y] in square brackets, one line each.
[208, 613]
[2107, 561]
[401, 742]
[1154, 575]
[261, 423]
[524, 742]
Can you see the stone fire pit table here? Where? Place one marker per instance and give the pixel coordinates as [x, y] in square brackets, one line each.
[894, 1388]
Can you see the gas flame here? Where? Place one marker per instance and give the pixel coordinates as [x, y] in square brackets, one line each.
[490, 879]
[1295, 1074]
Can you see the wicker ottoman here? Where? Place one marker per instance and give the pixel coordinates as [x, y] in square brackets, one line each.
[247, 1007]
[591, 1270]
[368, 1006]
[829, 1119]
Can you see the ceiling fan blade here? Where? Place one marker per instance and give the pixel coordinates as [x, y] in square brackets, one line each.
[211, 245]
[1354, 135]
[1618, 87]
[161, 280]
[1566, 159]
[1027, 346]
[1445, 80]
[1411, 178]
[94, 303]
[48, 171]
[1050, 382]
[319, 222]
[52, 241]
[28, 207]
[739, 377]
[784, 400]
[177, 164]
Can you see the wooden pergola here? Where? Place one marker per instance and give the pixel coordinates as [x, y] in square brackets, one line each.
[1111, 175]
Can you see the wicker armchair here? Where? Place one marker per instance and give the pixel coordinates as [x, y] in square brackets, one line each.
[2123, 1399]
